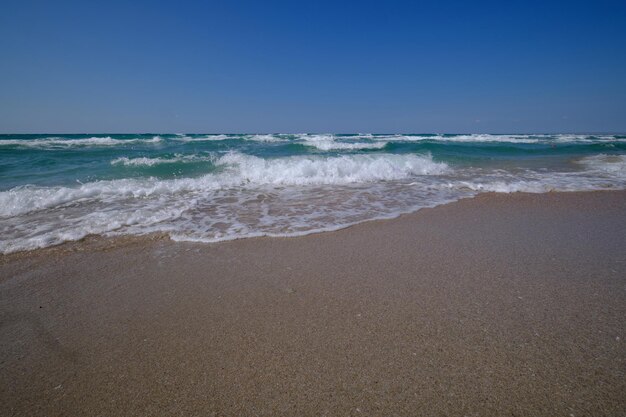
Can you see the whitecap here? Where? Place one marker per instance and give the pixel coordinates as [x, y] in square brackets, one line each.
[53, 142]
[144, 161]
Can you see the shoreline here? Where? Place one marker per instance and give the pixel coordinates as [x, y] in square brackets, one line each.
[100, 242]
[493, 305]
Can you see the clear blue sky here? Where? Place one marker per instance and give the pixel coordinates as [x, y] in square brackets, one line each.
[312, 66]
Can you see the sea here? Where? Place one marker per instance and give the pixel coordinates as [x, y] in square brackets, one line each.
[214, 187]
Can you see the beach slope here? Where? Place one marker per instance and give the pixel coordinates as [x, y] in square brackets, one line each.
[497, 305]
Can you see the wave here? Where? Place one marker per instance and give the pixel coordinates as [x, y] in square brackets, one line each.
[332, 146]
[54, 142]
[311, 170]
[324, 142]
[603, 163]
[144, 161]
[330, 143]
[246, 195]
[476, 138]
[268, 138]
[490, 138]
[207, 138]
[341, 142]
[241, 171]
[238, 170]
[493, 138]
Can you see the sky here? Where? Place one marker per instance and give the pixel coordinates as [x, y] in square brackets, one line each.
[312, 66]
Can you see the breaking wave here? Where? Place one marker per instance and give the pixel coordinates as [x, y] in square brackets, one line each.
[224, 186]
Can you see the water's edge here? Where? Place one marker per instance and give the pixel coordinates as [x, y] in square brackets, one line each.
[95, 243]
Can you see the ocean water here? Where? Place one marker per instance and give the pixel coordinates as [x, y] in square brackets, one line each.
[58, 188]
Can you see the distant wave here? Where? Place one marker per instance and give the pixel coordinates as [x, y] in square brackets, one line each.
[53, 142]
[342, 142]
[266, 138]
[324, 142]
[206, 138]
[522, 139]
[144, 161]
[330, 143]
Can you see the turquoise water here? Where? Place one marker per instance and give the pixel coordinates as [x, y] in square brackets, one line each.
[57, 188]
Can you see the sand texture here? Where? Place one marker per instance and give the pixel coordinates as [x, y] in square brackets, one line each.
[502, 305]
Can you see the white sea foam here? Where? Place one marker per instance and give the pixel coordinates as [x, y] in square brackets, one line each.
[206, 138]
[330, 143]
[239, 170]
[55, 142]
[310, 170]
[325, 142]
[478, 138]
[492, 138]
[266, 138]
[331, 146]
[495, 138]
[608, 164]
[144, 161]
[251, 196]
[601, 172]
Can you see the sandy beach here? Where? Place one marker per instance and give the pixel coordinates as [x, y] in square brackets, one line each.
[497, 305]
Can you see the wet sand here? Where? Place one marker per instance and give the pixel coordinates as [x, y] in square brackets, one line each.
[499, 305]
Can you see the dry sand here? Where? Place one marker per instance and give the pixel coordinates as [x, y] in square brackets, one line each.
[503, 305]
